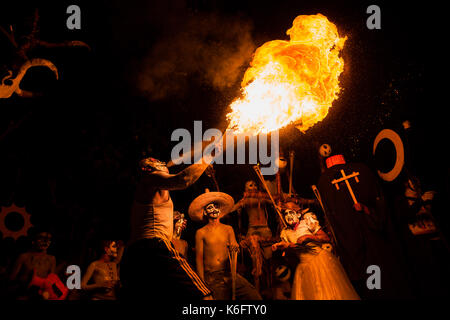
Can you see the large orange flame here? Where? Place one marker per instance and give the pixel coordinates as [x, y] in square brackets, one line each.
[293, 81]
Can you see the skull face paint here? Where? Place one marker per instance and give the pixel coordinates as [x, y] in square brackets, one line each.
[178, 224]
[251, 186]
[212, 211]
[291, 217]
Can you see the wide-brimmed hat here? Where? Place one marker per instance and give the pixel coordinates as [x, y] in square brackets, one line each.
[223, 200]
[293, 206]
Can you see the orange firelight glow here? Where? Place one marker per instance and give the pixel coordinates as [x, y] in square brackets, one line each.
[293, 81]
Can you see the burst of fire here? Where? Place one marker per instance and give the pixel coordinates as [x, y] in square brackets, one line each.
[293, 81]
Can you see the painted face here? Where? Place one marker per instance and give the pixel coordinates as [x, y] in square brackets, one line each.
[251, 186]
[212, 210]
[179, 224]
[112, 250]
[291, 217]
[43, 241]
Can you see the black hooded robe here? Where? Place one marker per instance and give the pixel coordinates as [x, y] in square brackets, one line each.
[363, 239]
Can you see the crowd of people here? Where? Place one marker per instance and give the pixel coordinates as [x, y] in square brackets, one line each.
[318, 249]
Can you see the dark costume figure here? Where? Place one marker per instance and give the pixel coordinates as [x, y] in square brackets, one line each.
[214, 245]
[422, 243]
[104, 273]
[152, 267]
[356, 209]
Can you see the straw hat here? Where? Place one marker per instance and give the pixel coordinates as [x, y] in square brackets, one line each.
[223, 200]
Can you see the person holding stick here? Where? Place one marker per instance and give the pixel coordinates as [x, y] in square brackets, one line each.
[216, 248]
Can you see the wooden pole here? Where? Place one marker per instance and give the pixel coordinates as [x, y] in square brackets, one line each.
[291, 168]
[232, 256]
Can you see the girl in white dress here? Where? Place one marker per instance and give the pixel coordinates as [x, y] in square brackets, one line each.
[319, 275]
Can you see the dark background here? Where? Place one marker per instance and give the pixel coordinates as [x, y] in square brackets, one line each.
[69, 157]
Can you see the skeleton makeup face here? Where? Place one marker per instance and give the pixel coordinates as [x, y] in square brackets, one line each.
[212, 211]
[251, 186]
[291, 217]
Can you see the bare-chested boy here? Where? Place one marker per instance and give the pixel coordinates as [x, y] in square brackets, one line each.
[213, 243]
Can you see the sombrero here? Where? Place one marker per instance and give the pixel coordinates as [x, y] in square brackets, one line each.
[223, 200]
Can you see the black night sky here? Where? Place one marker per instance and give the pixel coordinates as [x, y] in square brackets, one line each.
[70, 155]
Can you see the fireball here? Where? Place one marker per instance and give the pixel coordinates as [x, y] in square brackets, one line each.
[291, 82]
